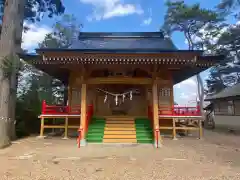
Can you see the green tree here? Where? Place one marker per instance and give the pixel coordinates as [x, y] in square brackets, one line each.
[190, 20]
[13, 14]
[64, 34]
[229, 7]
[36, 86]
[226, 73]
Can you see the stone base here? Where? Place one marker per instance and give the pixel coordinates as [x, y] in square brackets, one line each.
[83, 142]
[159, 144]
[65, 138]
[41, 137]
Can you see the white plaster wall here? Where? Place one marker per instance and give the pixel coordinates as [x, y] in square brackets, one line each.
[227, 122]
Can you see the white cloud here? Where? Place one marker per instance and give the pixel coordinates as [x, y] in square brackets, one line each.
[188, 98]
[190, 83]
[185, 93]
[105, 9]
[34, 35]
[147, 21]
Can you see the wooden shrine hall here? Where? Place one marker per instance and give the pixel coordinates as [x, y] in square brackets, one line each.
[120, 87]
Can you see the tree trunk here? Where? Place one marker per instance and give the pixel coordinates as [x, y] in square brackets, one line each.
[10, 44]
[200, 92]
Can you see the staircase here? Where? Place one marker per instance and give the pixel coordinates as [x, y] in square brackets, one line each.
[119, 130]
[96, 130]
[144, 130]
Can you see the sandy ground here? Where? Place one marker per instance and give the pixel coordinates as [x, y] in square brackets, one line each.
[217, 156]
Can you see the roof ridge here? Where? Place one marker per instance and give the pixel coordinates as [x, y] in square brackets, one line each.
[157, 34]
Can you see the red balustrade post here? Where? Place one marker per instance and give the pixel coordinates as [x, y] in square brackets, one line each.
[43, 107]
[67, 108]
[198, 110]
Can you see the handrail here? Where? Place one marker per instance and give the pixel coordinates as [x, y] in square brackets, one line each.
[180, 110]
[62, 109]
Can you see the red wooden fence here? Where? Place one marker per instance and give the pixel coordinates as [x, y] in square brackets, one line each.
[175, 111]
[63, 110]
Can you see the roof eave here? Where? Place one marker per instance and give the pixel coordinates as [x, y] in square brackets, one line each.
[138, 50]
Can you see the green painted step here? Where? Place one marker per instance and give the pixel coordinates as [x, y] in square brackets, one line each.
[145, 141]
[144, 130]
[96, 130]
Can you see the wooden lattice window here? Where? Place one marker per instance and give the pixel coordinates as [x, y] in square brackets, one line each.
[165, 92]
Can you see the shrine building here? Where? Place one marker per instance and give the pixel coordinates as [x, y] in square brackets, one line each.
[120, 87]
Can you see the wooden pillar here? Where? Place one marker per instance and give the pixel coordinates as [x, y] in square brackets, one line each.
[174, 129]
[83, 111]
[66, 129]
[155, 111]
[42, 127]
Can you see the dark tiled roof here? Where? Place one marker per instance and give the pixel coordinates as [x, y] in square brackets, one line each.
[108, 41]
[225, 93]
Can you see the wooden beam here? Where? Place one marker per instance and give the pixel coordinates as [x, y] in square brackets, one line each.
[120, 80]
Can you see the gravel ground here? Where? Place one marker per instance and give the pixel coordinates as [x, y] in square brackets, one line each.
[217, 156]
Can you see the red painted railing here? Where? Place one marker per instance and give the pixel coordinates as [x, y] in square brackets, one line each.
[175, 111]
[63, 110]
[179, 111]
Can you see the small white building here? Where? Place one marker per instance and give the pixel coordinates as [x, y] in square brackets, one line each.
[226, 108]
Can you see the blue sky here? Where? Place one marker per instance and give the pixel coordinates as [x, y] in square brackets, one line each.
[119, 16]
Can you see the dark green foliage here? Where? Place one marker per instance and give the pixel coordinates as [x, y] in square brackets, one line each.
[204, 30]
[229, 6]
[226, 73]
[36, 86]
[188, 19]
[34, 9]
[64, 33]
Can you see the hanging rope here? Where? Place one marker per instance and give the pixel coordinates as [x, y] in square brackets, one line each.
[117, 95]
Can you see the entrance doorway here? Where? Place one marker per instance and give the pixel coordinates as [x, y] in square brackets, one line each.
[121, 100]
